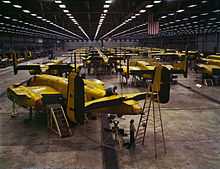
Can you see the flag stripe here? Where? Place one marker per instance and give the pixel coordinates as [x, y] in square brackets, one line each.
[153, 26]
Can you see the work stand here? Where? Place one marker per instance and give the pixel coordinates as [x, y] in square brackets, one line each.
[151, 116]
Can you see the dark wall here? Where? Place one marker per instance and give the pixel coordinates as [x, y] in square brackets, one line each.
[10, 42]
[202, 42]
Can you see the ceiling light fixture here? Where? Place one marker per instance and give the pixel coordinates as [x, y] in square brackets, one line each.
[62, 6]
[6, 2]
[157, 2]
[7, 17]
[108, 1]
[149, 6]
[58, 1]
[26, 11]
[106, 6]
[17, 6]
[142, 11]
[193, 17]
[180, 10]
[191, 6]
[66, 11]
[216, 11]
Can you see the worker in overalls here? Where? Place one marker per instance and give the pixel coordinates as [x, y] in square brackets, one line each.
[132, 133]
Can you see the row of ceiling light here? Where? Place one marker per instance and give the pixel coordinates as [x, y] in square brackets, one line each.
[28, 30]
[24, 31]
[141, 11]
[69, 15]
[40, 17]
[102, 17]
[135, 32]
[128, 30]
[171, 14]
[35, 26]
[182, 10]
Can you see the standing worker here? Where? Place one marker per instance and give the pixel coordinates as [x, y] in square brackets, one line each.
[132, 132]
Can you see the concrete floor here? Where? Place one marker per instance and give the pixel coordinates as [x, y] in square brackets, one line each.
[191, 123]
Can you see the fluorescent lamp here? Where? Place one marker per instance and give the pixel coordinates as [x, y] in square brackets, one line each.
[149, 6]
[6, 2]
[163, 17]
[171, 14]
[106, 6]
[66, 11]
[33, 14]
[105, 11]
[7, 17]
[180, 10]
[58, 1]
[62, 6]
[108, 2]
[193, 17]
[39, 17]
[192, 6]
[203, 14]
[142, 11]
[217, 10]
[17, 6]
[157, 2]
[26, 11]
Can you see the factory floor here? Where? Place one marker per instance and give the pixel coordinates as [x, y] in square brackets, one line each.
[191, 124]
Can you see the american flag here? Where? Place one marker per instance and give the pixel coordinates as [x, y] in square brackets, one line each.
[153, 26]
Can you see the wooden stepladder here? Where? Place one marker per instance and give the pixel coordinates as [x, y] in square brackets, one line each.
[57, 121]
[151, 115]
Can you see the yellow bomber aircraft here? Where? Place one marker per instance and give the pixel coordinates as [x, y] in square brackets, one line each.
[210, 66]
[145, 69]
[178, 62]
[52, 67]
[79, 95]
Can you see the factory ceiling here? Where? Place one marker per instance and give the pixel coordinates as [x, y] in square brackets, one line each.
[104, 19]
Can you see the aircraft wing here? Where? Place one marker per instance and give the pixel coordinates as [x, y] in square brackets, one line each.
[35, 67]
[117, 104]
[31, 96]
[205, 68]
